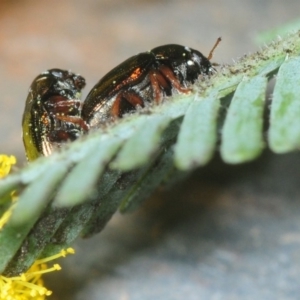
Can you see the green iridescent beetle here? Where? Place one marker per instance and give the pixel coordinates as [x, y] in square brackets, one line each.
[52, 112]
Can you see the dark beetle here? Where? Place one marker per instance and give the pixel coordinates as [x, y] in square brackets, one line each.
[52, 112]
[144, 78]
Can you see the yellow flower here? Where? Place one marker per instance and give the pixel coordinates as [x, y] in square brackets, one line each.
[29, 285]
[5, 164]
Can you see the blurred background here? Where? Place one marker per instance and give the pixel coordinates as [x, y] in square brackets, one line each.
[228, 232]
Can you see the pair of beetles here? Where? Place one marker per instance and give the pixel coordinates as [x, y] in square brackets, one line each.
[54, 113]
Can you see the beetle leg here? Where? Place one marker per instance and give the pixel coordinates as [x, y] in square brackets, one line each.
[62, 105]
[115, 109]
[63, 109]
[168, 73]
[61, 136]
[75, 120]
[130, 97]
[157, 83]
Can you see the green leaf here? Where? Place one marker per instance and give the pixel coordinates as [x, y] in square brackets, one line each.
[242, 135]
[36, 196]
[147, 182]
[198, 133]
[76, 190]
[284, 134]
[144, 142]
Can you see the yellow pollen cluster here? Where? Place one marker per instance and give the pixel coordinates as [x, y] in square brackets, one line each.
[28, 285]
[5, 164]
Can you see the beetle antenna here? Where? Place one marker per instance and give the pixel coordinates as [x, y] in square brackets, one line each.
[210, 55]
